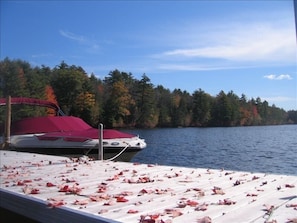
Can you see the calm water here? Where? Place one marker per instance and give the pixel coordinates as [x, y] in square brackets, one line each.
[268, 149]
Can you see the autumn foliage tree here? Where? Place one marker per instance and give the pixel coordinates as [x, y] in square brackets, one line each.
[120, 100]
[50, 96]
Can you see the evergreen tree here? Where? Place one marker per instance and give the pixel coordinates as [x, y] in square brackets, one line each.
[162, 98]
[201, 108]
[145, 103]
[222, 111]
[181, 109]
[234, 102]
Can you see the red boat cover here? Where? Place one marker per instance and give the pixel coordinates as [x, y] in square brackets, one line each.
[62, 126]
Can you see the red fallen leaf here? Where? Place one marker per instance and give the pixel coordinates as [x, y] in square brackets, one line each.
[95, 198]
[105, 196]
[173, 212]
[144, 191]
[218, 190]
[81, 202]
[146, 219]
[202, 207]
[205, 219]
[109, 203]
[137, 203]
[169, 210]
[154, 216]
[28, 190]
[290, 185]
[263, 183]
[291, 205]
[75, 190]
[120, 173]
[122, 199]
[160, 191]
[22, 183]
[126, 193]
[292, 220]
[102, 188]
[131, 211]
[65, 188]
[100, 197]
[115, 177]
[144, 180]
[102, 211]
[48, 184]
[192, 203]
[255, 178]
[226, 202]
[237, 182]
[34, 191]
[69, 181]
[56, 203]
[129, 181]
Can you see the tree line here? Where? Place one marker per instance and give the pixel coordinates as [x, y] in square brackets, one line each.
[120, 100]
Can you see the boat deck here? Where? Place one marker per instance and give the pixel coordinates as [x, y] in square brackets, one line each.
[59, 189]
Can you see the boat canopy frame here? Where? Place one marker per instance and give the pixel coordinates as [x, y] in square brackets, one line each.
[33, 102]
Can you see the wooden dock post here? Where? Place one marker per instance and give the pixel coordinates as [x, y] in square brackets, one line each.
[6, 143]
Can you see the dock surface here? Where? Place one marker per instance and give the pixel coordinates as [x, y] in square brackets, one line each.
[59, 189]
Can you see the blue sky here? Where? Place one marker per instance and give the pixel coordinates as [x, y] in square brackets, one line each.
[248, 47]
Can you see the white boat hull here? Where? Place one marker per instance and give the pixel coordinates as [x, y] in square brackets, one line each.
[67, 147]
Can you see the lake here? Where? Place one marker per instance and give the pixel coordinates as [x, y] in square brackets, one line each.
[266, 149]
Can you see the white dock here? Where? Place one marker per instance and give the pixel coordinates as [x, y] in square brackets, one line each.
[57, 189]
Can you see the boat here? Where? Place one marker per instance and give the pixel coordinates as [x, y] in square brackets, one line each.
[68, 135]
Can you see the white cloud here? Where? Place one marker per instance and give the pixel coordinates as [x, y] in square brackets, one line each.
[278, 77]
[92, 45]
[196, 67]
[242, 44]
[72, 36]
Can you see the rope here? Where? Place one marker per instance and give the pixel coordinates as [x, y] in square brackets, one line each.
[116, 156]
[270, 213]
[112, 158]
